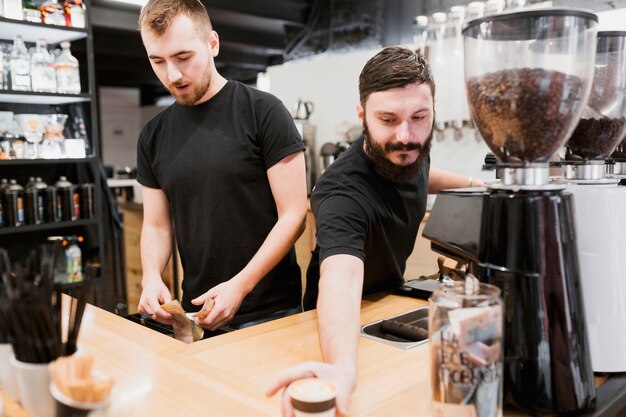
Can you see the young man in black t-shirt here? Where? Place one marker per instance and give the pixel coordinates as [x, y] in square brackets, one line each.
[368, 206]
[223, 170]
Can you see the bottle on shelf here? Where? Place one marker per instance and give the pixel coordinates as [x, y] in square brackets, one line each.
[77, 144]
[16, 148]
[34, 195]
[31, 12]
[439, 60]
[421, 35]
[13, 204]
[66, 65]
[52, 13]
[68, 200]
[43, 75]
[74, 13]
[78, 126]
[495, 6]
[3, 184]
[73, 259]
[5, 53]
[2, 59]
[52, 207]
[6, 144]
[12, 9]
[19, 66]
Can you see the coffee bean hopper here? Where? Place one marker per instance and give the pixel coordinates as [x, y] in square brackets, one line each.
[599, 201]
[528, 77]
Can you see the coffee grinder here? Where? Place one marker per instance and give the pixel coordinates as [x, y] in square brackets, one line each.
[617, 167]
[528, 76]
[599, 202]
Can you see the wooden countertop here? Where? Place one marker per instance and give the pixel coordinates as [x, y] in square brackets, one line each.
[227, 375]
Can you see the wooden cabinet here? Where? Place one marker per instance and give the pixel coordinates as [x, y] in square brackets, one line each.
[133, 220]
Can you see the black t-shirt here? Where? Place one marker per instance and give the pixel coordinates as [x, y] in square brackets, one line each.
[360, 213]
[211, 161]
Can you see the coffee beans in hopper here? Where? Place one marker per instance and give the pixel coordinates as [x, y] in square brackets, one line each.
[523, 114]
[595, 138]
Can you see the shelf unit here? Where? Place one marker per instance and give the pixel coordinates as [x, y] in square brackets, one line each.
[22, 239]
[29, 97]
[30, 32]
[47, 226]
[69, 161]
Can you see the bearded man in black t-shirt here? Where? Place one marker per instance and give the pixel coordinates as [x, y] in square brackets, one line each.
[368, 206]
[223, 171]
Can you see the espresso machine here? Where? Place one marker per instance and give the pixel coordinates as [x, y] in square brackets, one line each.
[600, 201]
[528, 76]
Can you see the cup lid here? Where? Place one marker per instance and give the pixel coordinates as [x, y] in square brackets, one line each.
[312, 395]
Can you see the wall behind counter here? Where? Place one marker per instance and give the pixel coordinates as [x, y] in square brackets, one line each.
[121, 120]
[330, 82]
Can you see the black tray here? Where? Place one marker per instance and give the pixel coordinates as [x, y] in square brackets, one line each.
[145, 320]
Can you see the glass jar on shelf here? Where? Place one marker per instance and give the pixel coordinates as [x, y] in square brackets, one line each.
[438, 58]
[74, 13]
[12, 9]
[5, 53]
[66, 66]
[42, 71]
[6, 147]
[515, 4]
[19, 66]
[30, 11]
[494, 7]
[457, 101]
[18, 146]
[31, 128]
[420, 36]
[52, 13]
[52, 147]
[474, 10]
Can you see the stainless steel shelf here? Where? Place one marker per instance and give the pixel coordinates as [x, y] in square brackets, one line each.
[30, 32]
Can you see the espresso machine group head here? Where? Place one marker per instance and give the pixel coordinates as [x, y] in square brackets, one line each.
[528, 76]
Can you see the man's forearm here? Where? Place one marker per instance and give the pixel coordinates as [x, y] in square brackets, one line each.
[339, 310]
[440, 179]
[277, 244]
[156, 250]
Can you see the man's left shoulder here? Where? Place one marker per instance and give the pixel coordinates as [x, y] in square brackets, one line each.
[255, 95]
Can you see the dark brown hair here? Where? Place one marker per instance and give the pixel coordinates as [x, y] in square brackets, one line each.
[157, 15]
[393, 67]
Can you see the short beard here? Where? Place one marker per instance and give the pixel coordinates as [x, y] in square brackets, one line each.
[386, 168]
[195, 95]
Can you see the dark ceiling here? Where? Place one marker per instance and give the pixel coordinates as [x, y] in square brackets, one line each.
[253, 35]
[257, 33]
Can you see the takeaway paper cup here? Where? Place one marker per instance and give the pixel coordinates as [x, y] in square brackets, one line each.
[313, 397]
